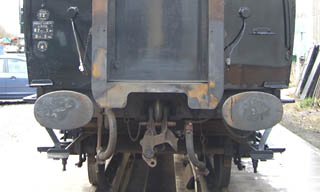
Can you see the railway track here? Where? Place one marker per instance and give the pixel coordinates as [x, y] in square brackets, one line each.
[129, 173]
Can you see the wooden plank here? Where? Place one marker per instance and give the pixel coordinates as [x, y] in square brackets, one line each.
[307, 69]
[314, 74]
[314, 82]
[316, 93]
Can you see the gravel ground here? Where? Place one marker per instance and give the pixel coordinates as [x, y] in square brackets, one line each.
[300, 124]
[304, 122]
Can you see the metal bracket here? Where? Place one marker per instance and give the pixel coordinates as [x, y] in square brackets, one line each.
[258, 151]
[264, 139]
[61, 150]
[261, 152]
[151, 139]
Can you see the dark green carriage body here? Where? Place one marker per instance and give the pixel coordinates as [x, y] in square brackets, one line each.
[127, 64]
[159, 43]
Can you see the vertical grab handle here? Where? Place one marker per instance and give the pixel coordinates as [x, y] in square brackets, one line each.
[73, 12]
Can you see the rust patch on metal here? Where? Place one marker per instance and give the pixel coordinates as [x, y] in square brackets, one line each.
[199, 92]
[213, 102]
[249, 75]
[116, 95]
[99, 7]
[96, 66]
[95, 71]
[216, 9]
[228, 107]
[212, 84]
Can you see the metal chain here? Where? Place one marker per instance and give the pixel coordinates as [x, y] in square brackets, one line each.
[203, 141]
[129, 132]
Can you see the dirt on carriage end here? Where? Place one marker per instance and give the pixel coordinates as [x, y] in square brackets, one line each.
[303, 116]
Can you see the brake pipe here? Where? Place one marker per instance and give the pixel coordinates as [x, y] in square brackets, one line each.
[102, 156]
[190, 147]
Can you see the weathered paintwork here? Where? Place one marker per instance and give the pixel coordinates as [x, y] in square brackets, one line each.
[64, 110]
[57, 66]
[252, 111]
[138, 53]
[265, 56]
[202, 94]
[261, 61]
[256, 60]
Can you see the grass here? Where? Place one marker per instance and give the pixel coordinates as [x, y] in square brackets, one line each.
[309, 102]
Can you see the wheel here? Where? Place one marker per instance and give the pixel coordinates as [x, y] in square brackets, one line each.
[93, 170]
[222, 171]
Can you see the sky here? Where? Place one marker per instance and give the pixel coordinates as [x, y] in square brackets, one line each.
[9, 16]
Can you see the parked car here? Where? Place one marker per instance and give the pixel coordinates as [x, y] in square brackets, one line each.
[14, 77]
[11, 49]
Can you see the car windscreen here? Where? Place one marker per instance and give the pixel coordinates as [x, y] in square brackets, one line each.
[17, 66]
[1, 65]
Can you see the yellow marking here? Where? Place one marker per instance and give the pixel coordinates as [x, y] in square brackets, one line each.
[213, 101]
[211, 84]
[198, 92]
[96, 69]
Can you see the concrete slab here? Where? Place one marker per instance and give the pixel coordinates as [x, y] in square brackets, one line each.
[297, 169]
